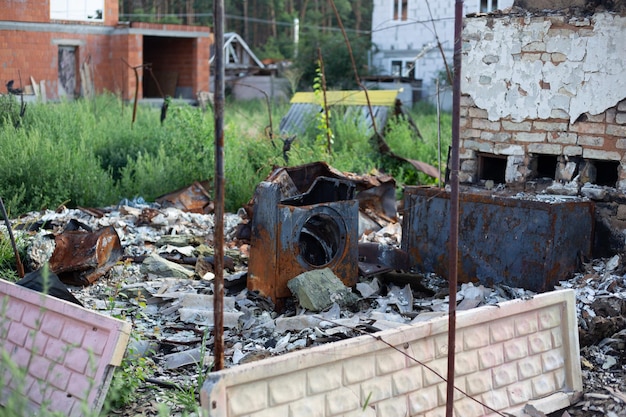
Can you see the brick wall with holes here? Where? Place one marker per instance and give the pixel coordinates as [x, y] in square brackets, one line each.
[506, 356]
[62, 354]
[544, 97]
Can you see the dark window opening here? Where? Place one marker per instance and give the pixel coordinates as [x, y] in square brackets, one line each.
[606, 173]
[396, 68]
[400, 9]
[545, 166]
[492, 167]
[487, 6]
[409, 68]
[417, 88]
[67, 70]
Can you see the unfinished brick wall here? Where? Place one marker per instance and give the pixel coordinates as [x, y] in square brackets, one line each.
[35, 54]
[64, 353]
[506, 356]
[30, 41]
[39, 11]
[544, 96]
[26, 11]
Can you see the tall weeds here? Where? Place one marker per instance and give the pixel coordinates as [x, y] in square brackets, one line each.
[87, 153]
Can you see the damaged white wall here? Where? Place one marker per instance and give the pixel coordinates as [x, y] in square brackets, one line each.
[544, 67]
[544, 88]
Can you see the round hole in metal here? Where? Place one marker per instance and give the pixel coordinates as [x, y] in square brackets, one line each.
[320, 239]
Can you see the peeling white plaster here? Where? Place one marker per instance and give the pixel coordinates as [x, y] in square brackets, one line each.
[525, 84]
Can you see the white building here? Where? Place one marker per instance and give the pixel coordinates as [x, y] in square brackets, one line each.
[405, 52]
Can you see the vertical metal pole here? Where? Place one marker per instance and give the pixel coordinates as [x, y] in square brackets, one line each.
[439, 132]
[218, 105]
[296, 36]
[16, 252]
[454, 204]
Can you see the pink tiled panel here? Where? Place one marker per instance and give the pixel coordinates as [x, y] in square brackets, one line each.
[67, 352]
[506, 356]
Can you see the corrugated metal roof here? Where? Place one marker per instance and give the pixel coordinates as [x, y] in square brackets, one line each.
[305, 107]
[350, 98]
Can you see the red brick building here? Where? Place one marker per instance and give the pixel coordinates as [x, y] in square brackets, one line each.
[68, 47]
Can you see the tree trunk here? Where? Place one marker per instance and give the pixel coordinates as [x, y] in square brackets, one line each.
[358, 18]
[305, 3]
[189, 11]
[246, 29]
[273, 19]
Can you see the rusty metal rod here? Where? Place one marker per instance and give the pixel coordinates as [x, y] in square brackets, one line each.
[454, 205]
[325, 108]
[18, 261]
[218, 106]
[135, 68]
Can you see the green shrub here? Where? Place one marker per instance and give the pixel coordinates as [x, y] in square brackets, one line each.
[89, 153]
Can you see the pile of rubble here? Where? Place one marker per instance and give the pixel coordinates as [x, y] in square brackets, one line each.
[170, 304]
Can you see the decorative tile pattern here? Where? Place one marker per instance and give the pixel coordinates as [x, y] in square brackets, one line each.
[66, 352]
[505, 357]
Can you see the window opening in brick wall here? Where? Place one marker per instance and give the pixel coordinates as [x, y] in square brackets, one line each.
[492, 167]
[544, 166]
[77, 10]
[606, 172]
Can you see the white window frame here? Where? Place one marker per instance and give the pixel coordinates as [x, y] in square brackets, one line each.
[490, 5]
[82, 10]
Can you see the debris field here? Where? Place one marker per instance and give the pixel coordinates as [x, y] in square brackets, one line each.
[159, 277]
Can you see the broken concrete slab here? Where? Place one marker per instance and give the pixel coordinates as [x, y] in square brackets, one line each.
[206, 301]
[524, 352]
[206, 317]
[158, 266]
[63, 355]
[319, 289]
[187, 357]
[297, 323]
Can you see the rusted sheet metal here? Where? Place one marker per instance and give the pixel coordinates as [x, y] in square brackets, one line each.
[80, 257]
[521, 243]
[375, 258]
[376, 193]
[302, 176]
[295, 235]
[194, 198]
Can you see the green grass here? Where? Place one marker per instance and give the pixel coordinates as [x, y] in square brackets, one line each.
[89, 153]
